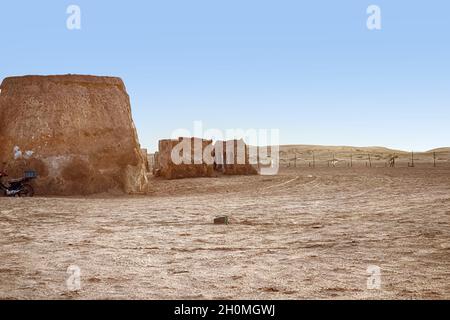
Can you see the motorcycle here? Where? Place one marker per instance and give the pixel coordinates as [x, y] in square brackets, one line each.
[18, 187]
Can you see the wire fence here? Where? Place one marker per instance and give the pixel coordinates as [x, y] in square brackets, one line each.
[342, 159]
[369, 159]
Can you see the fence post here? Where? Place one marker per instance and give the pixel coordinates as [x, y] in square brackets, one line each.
[257, 157]
[434, 159]
[370, 161]
[314, 160]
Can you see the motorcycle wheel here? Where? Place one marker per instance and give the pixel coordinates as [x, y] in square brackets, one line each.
[27, 191]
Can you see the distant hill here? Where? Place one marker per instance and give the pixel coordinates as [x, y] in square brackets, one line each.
[340, 149]
[440, 150]
[306, 153]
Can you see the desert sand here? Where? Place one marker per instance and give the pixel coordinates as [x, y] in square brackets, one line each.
[307, 233]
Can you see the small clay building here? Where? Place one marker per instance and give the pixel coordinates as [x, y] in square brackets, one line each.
[183, 158]
[194, 157]
[233, 158]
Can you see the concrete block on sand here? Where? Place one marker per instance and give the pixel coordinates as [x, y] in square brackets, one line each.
[221, 220]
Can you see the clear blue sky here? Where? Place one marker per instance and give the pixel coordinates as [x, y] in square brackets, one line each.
[310, 68]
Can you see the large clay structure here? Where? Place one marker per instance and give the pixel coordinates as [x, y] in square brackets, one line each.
[75, 131]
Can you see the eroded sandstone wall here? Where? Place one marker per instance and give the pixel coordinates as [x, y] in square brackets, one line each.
[194, 167]
[75, 131]
[233, 158]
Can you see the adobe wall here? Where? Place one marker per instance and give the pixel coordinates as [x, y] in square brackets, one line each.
[76, 131]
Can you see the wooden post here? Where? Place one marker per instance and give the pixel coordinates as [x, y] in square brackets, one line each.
[295, 160]
[314, 160]
[412, 159]
[434, 159]
[370, 161]
[257, 157]
[351, 160]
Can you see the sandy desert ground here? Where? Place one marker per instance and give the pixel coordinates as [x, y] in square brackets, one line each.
[304, 234]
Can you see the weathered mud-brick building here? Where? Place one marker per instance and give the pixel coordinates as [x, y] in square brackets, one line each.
[233, 158]
[75, 131]
[189, 161]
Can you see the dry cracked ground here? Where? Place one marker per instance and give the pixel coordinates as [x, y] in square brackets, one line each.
[304, 234]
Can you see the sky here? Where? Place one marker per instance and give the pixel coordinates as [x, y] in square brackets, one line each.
[311, 69]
